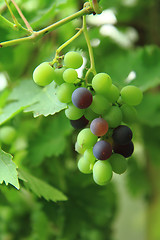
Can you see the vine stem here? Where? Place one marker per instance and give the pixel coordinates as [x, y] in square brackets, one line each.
[10, 10]
[90, 49]
[38, 34]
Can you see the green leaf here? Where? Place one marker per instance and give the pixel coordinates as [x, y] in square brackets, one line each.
[8, 172]
[41, 188]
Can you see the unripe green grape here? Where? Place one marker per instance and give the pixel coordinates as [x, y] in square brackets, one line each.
[100, 104]
[7, 134]
[113, 117]
[129, 113]
[101, 83]
[86, 139]
[73, 60]
[43, 74]
[112, 94]
[58, 79]
[131, 95]
[84, 166]
[73, 113]
[88, 155]
[79, 149]
[70, 75]
[90, 115]
[118, 163]
[102, 172]
[64, 92]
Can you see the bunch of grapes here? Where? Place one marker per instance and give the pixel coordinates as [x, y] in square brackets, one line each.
[100, 110]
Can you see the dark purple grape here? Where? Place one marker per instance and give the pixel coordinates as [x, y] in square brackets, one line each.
[102, 150]
[125, 150]
[122, 135]
[79, 123]
[99, 127]
[82, 98]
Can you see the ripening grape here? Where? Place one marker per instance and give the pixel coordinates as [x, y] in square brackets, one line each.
[73, 113]
[99, 127]
[73, 60]
[102, 172]
[122, 135]
[125, 150]
[101, 83]
[79, 149]
[88, 154]
[70, 75]
[100, 104]
[64, 92]
[112, 94]
[131, 95]
[7, 134]
[86, 138]
[129, 113]
[118, 163]
[90, 115]
[58, 79]
[84, 166]
[79, 123]
[113, 117]
[102, 150]
[43, 74]
[82, 98]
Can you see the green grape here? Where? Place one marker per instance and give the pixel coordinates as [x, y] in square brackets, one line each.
[113, 117]
[73, 60]
[43, 74]
[88, 155]
[64, 92]
[129, 113]
[7, 134]
[131, 95]
[70, 75]
[79, 149]
[73, 113]
[101, 83]
[100, 104]
[86, 139]
[90, 115]
[118, 163]
[58, 79]
[112, 94]
[84, 166]
[102, 172]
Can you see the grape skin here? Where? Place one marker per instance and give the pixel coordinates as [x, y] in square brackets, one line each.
[129, 113]
[58, 79]
[82, 98]
[73, 113]
[101, 83]
[122, 135]
[124, 150]
[73, 60]
[100, 104]
[102, 172]
[79, 149]
[79, 123]
[64, 92]
[43, 74]
[118, 163]
[112, 94]
[88, 154]
[131, 95]
[102, 150]
[99, 127]
[70, 75]
[114, 117]
[86, 139]
[84, 166]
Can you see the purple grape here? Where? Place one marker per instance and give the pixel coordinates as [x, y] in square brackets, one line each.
[122, 135]
[79, 123]
[124, 150]
[82, 98]
[102, 150]
[99, 127]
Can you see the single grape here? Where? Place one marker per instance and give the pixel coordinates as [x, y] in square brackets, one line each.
[122, 135]
[73, 113]
[99, 127]
[131, 95]
[79, 149]
[124, 150]
[100, 104]
[84, 166]
[101, 83]
[43, 74]
[64, 92]
[113, 117]
[86, 138]
[102, 150]
[70, 75]
[73, 60]
[82, 98]
[79, 123]
[88, 155]
[118, 163]
[112, 94]
[7, 134]
[90, 115]
[129, 113]
[102, 172]
[58, 79]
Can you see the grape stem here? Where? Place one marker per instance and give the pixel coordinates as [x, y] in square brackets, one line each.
[92, 68]
[35, 35]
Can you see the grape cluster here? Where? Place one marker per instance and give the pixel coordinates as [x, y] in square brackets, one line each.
[100, 110]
